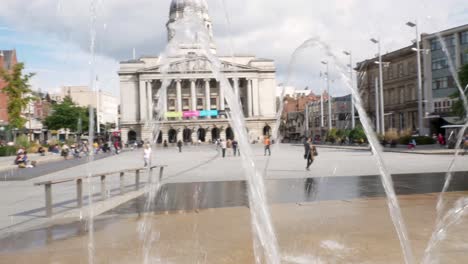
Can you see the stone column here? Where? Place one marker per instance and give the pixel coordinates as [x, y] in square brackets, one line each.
[193, 94]
[150, 101]
[143, 100]
[249, 98]
[235, 83]
[255, 97]
[207, 96]
[222, 105]
[179, 95]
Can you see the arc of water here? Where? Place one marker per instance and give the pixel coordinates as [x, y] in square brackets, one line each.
[392, 201]
[260, 215]
[448, 178]
[190, 25]
[449, 175]
[439, 234]
[92, 50]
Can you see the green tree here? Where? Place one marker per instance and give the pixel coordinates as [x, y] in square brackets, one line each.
[18, 91]
[458, 107]
[358, 135]
[68, 115]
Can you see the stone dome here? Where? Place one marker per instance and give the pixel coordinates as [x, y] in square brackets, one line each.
[181, 5]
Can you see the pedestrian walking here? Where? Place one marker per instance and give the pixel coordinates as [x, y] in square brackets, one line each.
[267, 144]
[147, 154]
[179, 145]
[117, 147]
[311, 153]
[235, 146]
[65, 151]
[441, 140]
[223, 147]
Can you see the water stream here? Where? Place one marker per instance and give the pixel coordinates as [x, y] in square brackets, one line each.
[441, 204]
[92, 50]
[191, 28]
[387, 181]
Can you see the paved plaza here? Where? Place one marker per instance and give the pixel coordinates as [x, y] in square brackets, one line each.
[22, 203]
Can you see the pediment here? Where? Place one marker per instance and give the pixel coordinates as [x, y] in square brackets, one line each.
[199, 65]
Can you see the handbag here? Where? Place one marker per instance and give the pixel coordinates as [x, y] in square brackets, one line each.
[315, 152]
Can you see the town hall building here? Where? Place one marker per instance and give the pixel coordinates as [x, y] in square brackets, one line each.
[195, 109]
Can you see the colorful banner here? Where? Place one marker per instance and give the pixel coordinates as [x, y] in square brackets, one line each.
[188, 114]
[173, 114]
[191, 114]
[209, 113]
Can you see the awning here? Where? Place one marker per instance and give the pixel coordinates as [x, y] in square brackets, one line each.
[454, 120]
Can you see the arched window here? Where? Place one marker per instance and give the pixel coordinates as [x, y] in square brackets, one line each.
[187, 135]
[267, 131]
[172, 136]
[160, 138]
[215, 134]
[132, 135]
[201, 134]
[229, 133]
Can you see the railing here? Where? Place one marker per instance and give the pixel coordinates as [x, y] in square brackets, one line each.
[103, 176]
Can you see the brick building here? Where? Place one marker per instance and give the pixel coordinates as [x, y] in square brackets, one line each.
[7, 61]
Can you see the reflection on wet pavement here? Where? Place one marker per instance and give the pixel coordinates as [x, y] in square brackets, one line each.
[193, 196]
[209, 223]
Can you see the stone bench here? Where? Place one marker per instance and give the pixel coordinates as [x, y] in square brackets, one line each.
[79, 184]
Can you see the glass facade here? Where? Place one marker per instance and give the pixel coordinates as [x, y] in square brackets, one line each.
[435, 45]
[438, 64]
[464, 37]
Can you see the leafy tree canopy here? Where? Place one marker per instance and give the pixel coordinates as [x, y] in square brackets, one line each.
[67, 115]
[458, 108]
[18, 92]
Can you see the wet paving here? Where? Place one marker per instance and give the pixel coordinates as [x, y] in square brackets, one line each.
[340, 213]
[45, 168]
[205, 195]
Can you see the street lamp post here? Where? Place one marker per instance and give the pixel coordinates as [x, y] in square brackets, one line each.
[306, 133]
[348, 53]
[420, 92]
[382, 117]
[329, 96]
[321, 107]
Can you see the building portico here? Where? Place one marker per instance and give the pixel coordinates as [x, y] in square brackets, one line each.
[194, 101]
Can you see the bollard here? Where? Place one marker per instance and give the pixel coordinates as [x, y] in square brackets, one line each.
[103, 187]
[48, 198]
[79, 192]
[122, 183]
[137, 179]
[161, 170]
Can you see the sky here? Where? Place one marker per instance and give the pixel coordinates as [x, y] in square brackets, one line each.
[52, 37]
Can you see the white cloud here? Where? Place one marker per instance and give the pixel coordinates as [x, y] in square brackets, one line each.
[267, 28]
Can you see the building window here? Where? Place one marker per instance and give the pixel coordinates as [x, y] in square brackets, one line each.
[444, 106]
[450, 41]
[185, 104]
[440, 83]
[214, 103]
[402, 121]
[411, 67]
[439, 64]
[464, 37]
[435, 44]
[390, 72]
[465, 58]
[402, 95]
[400, 70]
[171, 104]
[199, 103]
